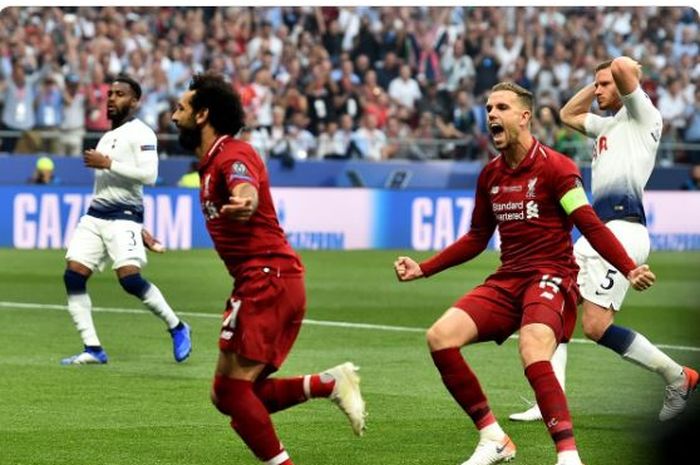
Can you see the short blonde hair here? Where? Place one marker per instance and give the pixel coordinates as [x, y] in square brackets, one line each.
[524, 96]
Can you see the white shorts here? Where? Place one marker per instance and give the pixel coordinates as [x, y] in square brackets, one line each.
[95, 240]
[598, 280]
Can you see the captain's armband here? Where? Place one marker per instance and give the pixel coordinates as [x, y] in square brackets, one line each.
[573, 199]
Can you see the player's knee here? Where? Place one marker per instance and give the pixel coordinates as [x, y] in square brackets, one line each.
[593, 328]
[437, 337]
[134, 284]
[536, 343]
[221, 395]
[75, 282]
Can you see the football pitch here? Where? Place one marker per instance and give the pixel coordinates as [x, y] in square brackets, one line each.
[144, 409]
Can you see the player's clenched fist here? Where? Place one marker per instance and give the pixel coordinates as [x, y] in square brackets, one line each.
[642, 278]
[407, 269]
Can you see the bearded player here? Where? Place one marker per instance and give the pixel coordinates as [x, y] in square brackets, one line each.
[125, 160]
[265, 310]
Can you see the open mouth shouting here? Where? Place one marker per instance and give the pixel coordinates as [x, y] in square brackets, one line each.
[497, 132]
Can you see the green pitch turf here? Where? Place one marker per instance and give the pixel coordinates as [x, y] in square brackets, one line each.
[144, 409]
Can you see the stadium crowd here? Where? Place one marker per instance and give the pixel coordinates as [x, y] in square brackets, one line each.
[334, 82]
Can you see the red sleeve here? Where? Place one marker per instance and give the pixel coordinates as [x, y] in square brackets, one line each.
[566, 175]
[471, 244]
[602, 239]
[239, 166]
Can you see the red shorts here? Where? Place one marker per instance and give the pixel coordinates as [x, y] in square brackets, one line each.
[505, 302]
[264, 315]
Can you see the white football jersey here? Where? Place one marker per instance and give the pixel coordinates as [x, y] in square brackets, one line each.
[118, 191]
[625, 152]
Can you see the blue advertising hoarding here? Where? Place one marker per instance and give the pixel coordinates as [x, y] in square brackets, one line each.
[39, 217]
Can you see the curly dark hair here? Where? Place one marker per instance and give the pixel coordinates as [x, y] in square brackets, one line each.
[211, 91]
[131, 82]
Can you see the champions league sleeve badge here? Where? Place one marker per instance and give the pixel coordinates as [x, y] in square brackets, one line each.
[240, 171]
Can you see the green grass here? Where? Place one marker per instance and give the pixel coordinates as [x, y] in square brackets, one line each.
[143, 409]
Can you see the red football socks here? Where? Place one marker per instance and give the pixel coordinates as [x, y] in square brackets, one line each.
[464, 386]
[281, 393]
[249, 417]
[552, 402]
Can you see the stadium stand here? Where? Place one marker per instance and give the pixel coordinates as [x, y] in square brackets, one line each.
[374, 83]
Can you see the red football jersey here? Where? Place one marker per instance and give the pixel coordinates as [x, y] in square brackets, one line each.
[258, 242]
[524, 203]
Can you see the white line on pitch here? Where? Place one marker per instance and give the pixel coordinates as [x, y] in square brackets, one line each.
[336, 324]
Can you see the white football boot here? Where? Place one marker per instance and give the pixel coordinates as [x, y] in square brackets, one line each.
[488, 452]
[347, 396]
[677, 395]
[531, 414]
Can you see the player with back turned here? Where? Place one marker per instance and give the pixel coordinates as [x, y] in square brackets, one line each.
[625, 152]
[265, 310]
[534, 196]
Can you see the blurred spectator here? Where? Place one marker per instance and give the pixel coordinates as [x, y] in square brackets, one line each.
[487, 66]
[463, 127]
[397, 133]
[320, 92]
[49, 113]
[693, 181]
[326, 147]
[258, 136]
[424, 138]
[404, 90]
[692, 131]
[191, 178]
[278, 134]
[546, 125]
[301, 143]
[388, 69]
[261, 104]
[166, 134]
[457, 66]
[368, 141]
[673, 107]
[70, 140]
[44, 172]
[96, 116]
[342, 137]
[18, 97]
[265, 40]
[433, 102]
[429, 69]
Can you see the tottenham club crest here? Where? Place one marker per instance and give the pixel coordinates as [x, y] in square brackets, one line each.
[531, 188]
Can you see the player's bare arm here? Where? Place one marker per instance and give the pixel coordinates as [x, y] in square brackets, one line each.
[94, 159]
[576, 205]
[574, 113]
[242, 203]
[626, 73]
[407, 269]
